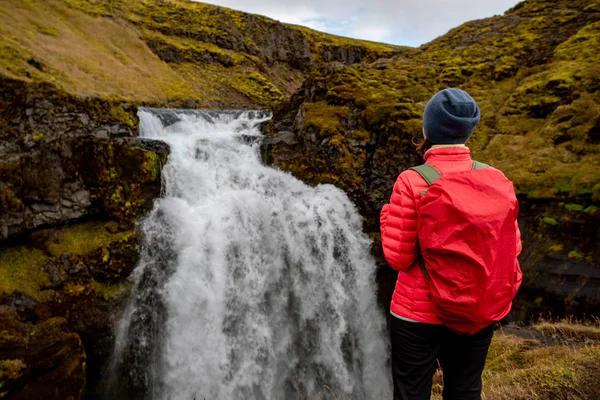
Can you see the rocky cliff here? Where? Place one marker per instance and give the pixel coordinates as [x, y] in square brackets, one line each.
[74, 178]
[73, 181]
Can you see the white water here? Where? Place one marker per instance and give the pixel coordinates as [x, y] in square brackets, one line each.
[252, 284]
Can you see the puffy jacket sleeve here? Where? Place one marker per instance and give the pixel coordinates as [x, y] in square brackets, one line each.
[398, 222]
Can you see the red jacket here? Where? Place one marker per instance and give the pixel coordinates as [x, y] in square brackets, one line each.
[399, 234]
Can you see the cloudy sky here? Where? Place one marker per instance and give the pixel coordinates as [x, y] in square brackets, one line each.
[402, 22]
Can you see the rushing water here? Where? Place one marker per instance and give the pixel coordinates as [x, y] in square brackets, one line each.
[251, 284]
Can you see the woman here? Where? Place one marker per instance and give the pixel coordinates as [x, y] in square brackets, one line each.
[420, 337]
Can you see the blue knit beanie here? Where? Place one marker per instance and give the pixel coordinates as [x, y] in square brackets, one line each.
[450, 117]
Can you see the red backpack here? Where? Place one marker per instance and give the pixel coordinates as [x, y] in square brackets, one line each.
[468, 241]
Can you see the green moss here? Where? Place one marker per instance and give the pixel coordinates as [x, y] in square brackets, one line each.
[556, 248]
[550, 221]
[574, 207]
[38, 137]
[22, 269]
[119, 114]
[83, 239]
[325, 118]
[153, 163]
[539, 98]
[575, 255]
[562, 187]
[591, 210]
[109, 292]
[256, 87]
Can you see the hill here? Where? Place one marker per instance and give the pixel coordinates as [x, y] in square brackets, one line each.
[165, 52]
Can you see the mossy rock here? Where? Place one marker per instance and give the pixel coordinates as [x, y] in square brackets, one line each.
[82, 259]
[22, 269]
[48, 346]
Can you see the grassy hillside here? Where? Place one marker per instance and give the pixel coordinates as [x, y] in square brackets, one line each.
[163, 51]
[534, 71]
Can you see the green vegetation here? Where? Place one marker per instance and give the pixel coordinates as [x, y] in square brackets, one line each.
[25, 268]
[527, 369]
[109, 292]
[591, 210]
[119, 114]
[533, 71]
[557, 248]
[574, 207]
[575, 255]
[550, 221]
[22, 269]
[83, 239]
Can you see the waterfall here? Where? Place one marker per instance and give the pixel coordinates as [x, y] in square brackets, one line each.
[251, 284]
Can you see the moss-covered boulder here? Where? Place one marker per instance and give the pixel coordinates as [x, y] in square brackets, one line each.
[39, 361]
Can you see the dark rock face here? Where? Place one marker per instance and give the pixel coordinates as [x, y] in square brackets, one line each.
[284, 44]
[560, 260]
[271, 41]
[348, 55]
[32, 115]
[41, 361]
[71, 177]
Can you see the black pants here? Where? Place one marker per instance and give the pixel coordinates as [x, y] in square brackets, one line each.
[416, 349]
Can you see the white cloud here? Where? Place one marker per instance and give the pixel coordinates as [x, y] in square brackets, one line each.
[404, 22]
[371, 32]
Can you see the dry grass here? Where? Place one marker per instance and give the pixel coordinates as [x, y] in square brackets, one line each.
[571, 331]
[83, 54]
[109, 57]
[519, 368]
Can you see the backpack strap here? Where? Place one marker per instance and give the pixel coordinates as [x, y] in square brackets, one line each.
[479, 165]
[428, 172]
[430, 175]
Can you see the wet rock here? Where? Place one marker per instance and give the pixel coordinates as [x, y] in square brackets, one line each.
[55, 275]
[42, 361]
[24, 304]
